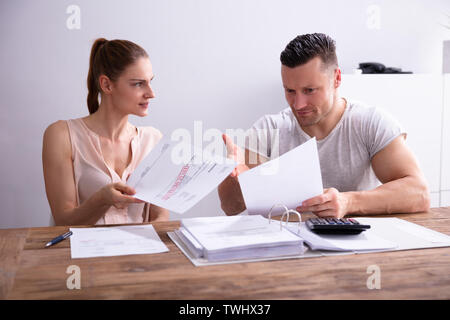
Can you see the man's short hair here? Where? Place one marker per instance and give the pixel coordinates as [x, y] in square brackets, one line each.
[308, 46]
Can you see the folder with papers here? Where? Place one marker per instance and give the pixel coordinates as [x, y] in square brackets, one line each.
[219, 240]
[238, 237]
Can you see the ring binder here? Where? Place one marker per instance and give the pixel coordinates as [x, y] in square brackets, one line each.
[238, 237]
[287, 211]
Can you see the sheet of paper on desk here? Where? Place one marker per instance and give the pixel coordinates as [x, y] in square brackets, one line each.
[176, 175]
[290, 179]
[115, 241]
[367, 240]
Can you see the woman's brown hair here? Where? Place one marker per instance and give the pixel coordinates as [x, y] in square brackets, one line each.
[109, 58]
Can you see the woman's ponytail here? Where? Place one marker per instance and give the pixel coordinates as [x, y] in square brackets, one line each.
[93, 74]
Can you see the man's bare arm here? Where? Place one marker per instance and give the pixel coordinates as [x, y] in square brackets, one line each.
[230, 194]
[158, 213]
[404, 188]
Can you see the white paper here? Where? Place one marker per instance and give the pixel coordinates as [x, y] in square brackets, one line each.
[288, 180]
[177, 185]
[406, 234]
[115, 241]
[193, 245]
[366, 240]
[422, 232]
[385, 234]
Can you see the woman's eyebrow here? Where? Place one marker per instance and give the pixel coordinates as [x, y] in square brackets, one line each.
[141, 79]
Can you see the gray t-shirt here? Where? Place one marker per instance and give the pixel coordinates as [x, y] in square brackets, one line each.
[345, 154]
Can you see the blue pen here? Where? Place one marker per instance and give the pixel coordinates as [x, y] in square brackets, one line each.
[58, 239]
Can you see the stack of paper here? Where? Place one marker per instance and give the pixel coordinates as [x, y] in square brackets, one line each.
[237, 237]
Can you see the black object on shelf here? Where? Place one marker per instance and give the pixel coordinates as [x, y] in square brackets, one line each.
[376, 67]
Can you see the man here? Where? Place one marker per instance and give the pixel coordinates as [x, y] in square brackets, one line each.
[359, 146]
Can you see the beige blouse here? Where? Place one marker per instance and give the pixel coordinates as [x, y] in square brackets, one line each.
[91, 172]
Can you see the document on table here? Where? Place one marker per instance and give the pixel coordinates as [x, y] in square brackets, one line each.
[385, 234]
[288, 180]
[176, 175]
[406, 234]
[367, 240]
[115, 241]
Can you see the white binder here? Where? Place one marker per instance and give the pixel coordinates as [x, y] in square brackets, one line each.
[225, 238]
[385, 234]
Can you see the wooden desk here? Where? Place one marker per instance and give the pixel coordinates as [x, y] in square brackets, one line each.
[30, 271]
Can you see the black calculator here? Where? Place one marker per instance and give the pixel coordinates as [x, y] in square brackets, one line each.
[335, 226]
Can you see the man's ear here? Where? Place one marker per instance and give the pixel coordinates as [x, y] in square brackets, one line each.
[337, 77]
[105, 84]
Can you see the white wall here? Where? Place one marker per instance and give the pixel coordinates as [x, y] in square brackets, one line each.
[445, 158]
[214, 60]
[416, 101]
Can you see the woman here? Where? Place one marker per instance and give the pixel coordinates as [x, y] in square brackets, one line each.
[87, 161]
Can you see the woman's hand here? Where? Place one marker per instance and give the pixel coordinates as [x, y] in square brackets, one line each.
[118, 195]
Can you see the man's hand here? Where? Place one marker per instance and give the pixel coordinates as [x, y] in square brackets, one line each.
[237, 154]
[331, 203]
